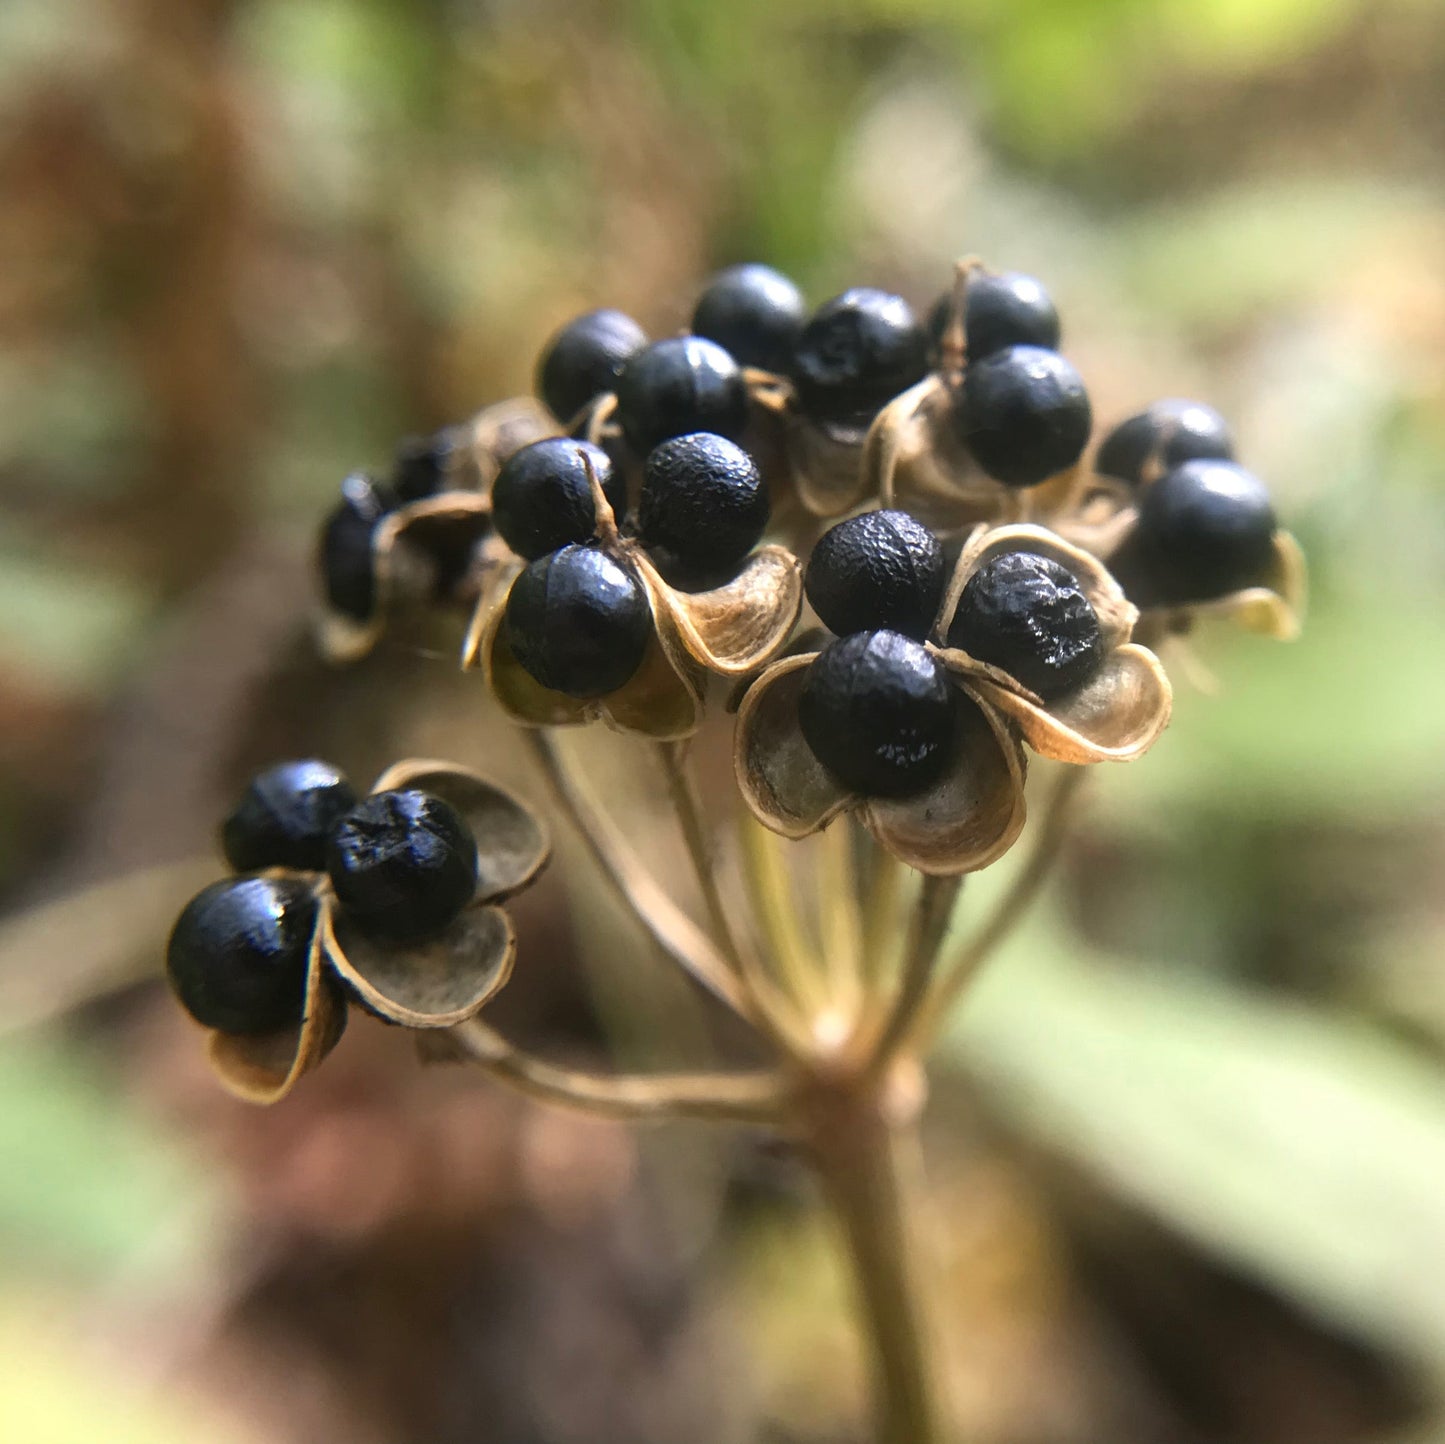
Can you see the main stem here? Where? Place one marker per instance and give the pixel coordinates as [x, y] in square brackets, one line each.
[866, 1162]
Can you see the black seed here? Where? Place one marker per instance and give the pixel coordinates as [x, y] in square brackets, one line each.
[238, 954]
[344, 553]
[679, 386]
[880, 569]
[584, 359]
[879, 714]
[542, 499]
[420, 467]
[1205, 529]
[403, 864]
[703, 509]
[858, 352]
[753, 312]
[1010, 309]
[1029, 617]
[284, 815]
[578, 622]
[1188, 431]
[1024, 414]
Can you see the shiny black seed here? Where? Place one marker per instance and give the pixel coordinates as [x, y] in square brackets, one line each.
[703, 509]
[238, 954]
[1205, 529]
[578, 622]
[858, 352]
[880, 569]
[753, 312]
[344, 553]
[1180, 431]
[584, 359]
[879, 714]
[420, 467]
[1010, 309]
[1029, 617]
[679, 386]
[284, 815]
[1024, 414]
[542, 499]
[403, 864]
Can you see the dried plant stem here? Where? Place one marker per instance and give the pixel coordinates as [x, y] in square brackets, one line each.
[865, 1161]
[840, 918]
[962, 967]
[929, 926]
[736, 1097]
[678, 936]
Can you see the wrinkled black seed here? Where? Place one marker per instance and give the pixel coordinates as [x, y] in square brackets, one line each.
[879, 714]
[703, 509]
[238, 955]
[578, 622]
[1181, 430]
[284, 815]
[1024, 414]
[679, 386]
[1010, 309]
[1205, 529]
[584, 359]
[753, 312]
[344, 552]
[856, 353]
[880, 569]
[403, 864]
[1029, 616]
[542, 499]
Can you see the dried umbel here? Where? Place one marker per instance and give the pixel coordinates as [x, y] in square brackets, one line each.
[875, 556]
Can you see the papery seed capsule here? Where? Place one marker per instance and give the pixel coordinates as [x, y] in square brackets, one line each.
[584, 359]
[879, 714]
[403, 864]
[578, 622]
[858, 352]
[754, 312]
[1178, 431]
[879, 569]
[1028, 616]
[679, 386]
[1008, 309]
[238, 955]
[284, 816]
[344, 553]
[1024, 414]
[542, 499]
[703, 509]
[1205, 529]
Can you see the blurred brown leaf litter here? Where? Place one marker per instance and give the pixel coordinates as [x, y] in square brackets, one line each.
[1191, 1138]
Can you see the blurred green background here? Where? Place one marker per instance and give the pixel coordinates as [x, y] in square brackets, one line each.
[1188, 1139]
